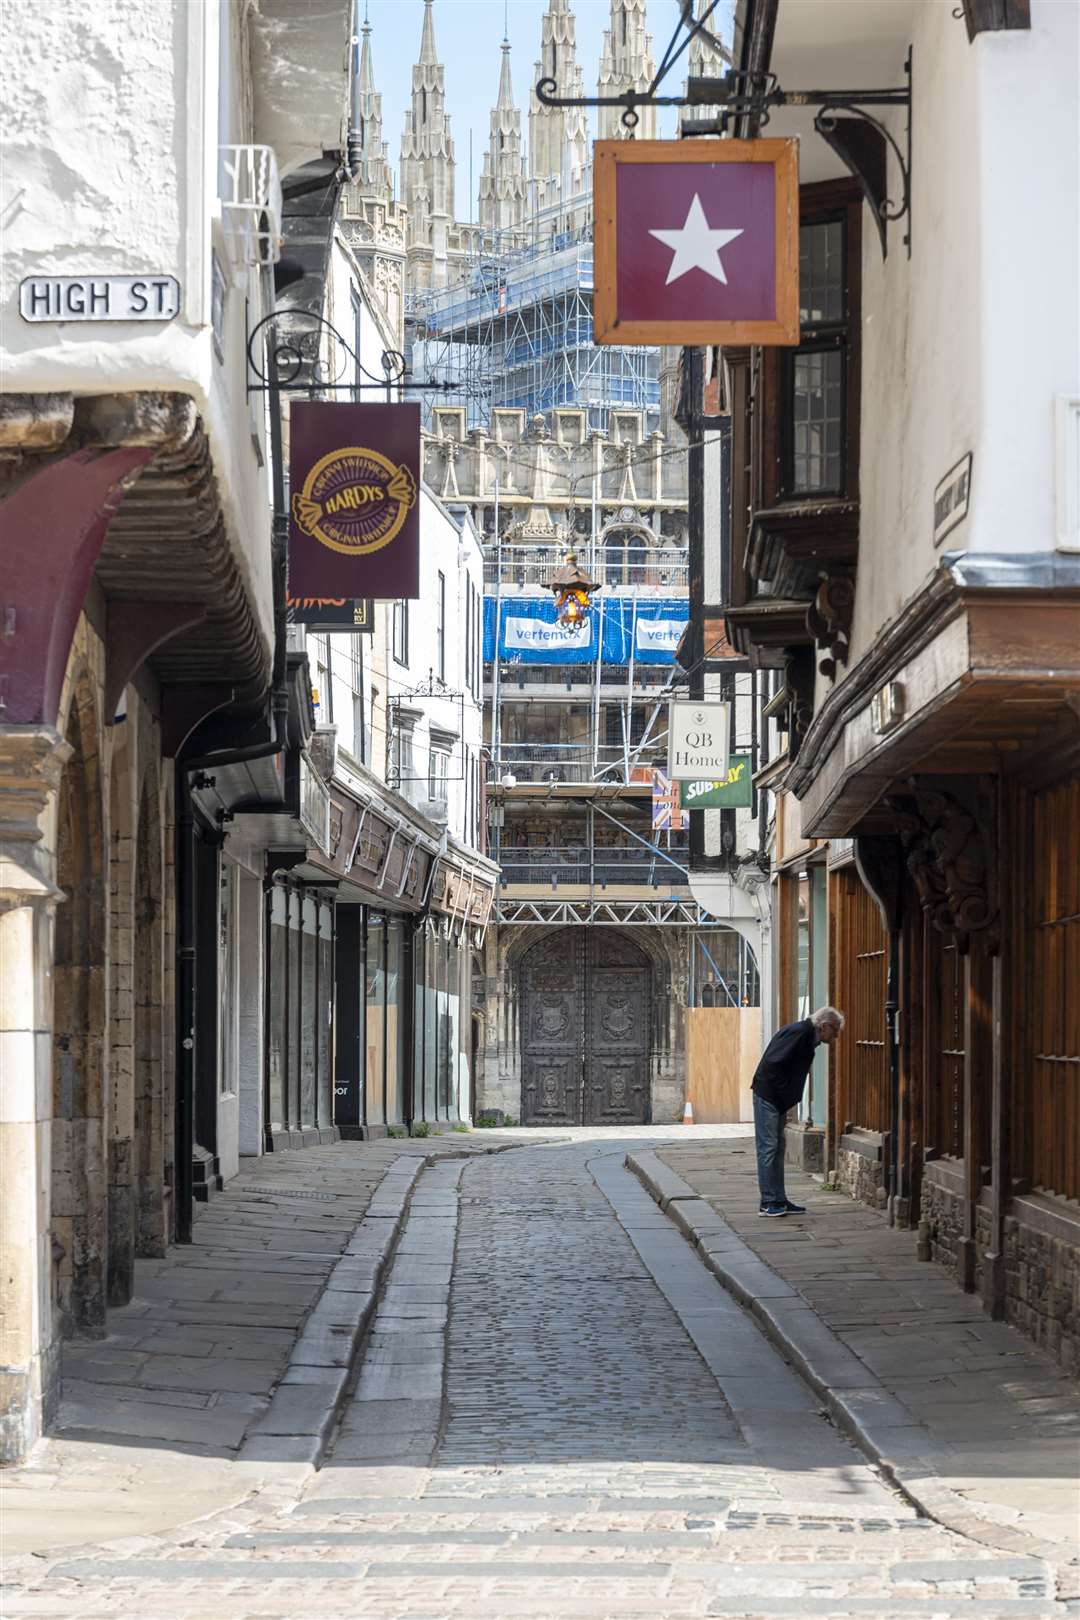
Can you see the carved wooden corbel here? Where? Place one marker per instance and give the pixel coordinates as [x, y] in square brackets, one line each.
[828, 620]
[949, 860]
[799, 680]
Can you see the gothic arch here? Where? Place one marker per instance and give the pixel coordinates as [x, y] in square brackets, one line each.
[78, 1146]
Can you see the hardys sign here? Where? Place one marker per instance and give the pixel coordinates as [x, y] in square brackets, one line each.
[354, 528]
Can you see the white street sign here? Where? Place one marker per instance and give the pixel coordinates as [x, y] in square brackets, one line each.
[699, 737]
[99, 298]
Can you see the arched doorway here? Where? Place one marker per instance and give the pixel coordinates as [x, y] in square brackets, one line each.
[78, 1144]
[586, 996]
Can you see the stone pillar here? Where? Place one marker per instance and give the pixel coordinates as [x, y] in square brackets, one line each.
[31, 760]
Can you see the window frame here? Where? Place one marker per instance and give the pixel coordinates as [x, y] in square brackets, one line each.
[399, 621]
[440, 628]
[822, 203]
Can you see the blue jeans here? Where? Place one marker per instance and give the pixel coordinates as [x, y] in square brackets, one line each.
[769, 1140]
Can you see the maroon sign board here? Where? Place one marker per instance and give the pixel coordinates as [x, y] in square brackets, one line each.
[696, 241]
[354, 513]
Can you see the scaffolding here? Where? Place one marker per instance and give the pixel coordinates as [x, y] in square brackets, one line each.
[516, 330]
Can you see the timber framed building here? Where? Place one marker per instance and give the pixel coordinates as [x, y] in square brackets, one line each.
[904, 561]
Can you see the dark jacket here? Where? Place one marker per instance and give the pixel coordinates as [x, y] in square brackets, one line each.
[785, 1063]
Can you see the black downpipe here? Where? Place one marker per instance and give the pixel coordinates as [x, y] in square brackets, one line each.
[184, 1099]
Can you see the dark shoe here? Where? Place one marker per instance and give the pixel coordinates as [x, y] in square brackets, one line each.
[794, 1209]
[772, 1211]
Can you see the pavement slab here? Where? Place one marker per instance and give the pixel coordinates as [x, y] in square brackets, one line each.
[588, 1426]
[964, 1410]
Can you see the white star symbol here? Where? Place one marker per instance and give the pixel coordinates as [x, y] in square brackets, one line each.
[695, 246]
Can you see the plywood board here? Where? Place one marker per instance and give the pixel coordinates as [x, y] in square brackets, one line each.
[722, 1051]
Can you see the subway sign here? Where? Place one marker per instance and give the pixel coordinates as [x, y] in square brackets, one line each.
[734, 792]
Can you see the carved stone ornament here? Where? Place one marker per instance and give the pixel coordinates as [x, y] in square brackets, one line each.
[828, 619]
[948, 861]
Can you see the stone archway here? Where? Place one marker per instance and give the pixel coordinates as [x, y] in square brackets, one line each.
[78, 1145]
[586, 1024]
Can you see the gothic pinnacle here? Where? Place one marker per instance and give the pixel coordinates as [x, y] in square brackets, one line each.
[428, 52]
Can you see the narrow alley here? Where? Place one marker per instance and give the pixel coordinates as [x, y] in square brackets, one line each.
[556, 1409]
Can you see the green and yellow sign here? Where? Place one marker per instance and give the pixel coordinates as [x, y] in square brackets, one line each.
[734, 793]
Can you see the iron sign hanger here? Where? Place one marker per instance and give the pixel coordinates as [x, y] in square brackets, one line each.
[860, 140]
[295, 361]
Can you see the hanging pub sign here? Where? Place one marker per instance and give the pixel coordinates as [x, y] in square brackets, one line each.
[696, 242]
[698, 735]
[733, 792]
[354, 516]
[331, 613]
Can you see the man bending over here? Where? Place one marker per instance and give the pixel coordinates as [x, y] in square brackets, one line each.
[778, 1084]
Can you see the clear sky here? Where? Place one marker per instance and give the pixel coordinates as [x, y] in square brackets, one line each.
[468, 34]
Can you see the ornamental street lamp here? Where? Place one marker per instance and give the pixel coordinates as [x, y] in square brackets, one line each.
[572, 589]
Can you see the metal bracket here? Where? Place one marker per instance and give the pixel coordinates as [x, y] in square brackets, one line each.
[858, 138]
[293, 359]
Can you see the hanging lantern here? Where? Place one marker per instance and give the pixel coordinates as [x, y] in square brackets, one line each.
[572, 589]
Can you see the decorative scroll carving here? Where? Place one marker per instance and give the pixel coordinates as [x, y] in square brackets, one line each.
[948, 861]
[828, 619]
[799, 680]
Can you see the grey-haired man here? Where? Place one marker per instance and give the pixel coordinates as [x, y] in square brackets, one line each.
[778, 1084]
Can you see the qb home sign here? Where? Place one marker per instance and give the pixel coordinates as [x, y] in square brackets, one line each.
[696, 242]
[354, 527]
[698, 738]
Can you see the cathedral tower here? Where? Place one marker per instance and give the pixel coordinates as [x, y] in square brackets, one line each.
[502, 181]
[626, 63]
[373, 178]
[427, 160]
[558, 136]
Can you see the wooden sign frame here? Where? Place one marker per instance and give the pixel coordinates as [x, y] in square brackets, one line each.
[607, 328]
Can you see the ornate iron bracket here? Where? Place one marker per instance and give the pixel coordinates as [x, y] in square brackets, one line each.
[313, 359]
[859, 139]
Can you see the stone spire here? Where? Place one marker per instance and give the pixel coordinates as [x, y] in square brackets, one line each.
[427, 151]
[502, 181]
[374, 178]
[558, 136]
[626, 62]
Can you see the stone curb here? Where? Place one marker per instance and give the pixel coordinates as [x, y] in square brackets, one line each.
[855, 1398]
[305, 1405]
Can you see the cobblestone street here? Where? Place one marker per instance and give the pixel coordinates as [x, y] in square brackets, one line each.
[558, 1410]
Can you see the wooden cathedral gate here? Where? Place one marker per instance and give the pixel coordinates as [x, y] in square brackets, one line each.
[585, 1007]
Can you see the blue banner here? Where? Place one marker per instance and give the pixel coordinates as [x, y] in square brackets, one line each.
[529, 634]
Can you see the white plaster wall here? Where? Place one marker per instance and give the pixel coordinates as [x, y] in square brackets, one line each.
[966, 345]
[112, 123]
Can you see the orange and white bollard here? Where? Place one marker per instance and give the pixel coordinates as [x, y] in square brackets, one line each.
[688, 1113]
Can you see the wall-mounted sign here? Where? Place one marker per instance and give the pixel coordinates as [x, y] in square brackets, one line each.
[733, 792]
[698, 736]
[99, 298]
[354, 519]
[331, 613]
[951, 498]
[696, 242]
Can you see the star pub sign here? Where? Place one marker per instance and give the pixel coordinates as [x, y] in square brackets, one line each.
[697, 241]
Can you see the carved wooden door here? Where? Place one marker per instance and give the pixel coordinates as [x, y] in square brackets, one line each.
[616, 1068]
[552, 1014]
[585, 1048]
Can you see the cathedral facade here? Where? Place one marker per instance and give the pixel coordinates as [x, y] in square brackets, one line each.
[549, 442]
